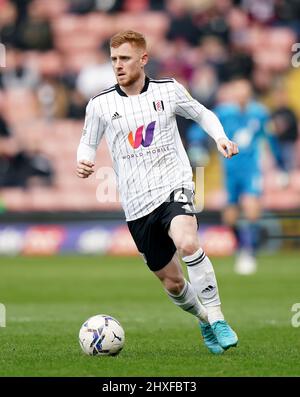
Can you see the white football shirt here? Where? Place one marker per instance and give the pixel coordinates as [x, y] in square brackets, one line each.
[144, 142]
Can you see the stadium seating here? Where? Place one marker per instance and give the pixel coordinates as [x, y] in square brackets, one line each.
[77, 38]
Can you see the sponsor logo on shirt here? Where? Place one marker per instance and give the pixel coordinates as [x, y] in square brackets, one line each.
[139, 140]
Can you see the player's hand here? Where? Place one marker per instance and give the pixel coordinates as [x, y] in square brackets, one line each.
[84, 168]
[227, 148]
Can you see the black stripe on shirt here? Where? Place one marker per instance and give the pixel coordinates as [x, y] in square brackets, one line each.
[161, 81]
[105, 91]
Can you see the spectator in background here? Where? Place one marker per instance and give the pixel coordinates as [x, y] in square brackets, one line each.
[288, 11]
[182, 25]
[260, 11]
[20, 168]
[82, 6]
[239, 64]
[8, 23]
[21, 6]
[18, 73]
[175, 61]
[204, 85]
[211, 18]
[4, 129]
[96, 76]
[215, 55]
[34, 32]
[52, 98]
[285, 128]
[76, 105]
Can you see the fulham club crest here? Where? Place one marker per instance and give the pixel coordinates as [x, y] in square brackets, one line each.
[159, 106]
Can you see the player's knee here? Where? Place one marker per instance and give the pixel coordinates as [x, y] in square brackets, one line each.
[230, 216]
[187, 245]
[251, 208]
[252, 216]
[174, 285]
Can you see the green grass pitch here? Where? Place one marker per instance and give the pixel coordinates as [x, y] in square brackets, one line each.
[47, 300]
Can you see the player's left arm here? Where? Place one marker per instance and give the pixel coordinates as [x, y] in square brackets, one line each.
[190, 108]
[227, 148]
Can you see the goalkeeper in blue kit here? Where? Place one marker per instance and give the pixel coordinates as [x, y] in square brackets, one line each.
[245, 122]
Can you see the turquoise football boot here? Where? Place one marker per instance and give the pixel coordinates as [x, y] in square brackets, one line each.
[209, 339]
[224, 334]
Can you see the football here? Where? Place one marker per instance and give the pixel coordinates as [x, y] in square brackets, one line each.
[101, 335]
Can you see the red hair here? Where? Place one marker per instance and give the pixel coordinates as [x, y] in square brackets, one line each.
[128, 36]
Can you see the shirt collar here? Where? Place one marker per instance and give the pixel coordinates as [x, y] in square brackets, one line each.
[144, 89]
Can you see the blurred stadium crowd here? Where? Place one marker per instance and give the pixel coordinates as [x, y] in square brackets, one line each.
[57, 57]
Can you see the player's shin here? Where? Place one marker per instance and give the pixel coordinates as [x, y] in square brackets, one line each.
[249, 236]
[203, 280]
[188, 301]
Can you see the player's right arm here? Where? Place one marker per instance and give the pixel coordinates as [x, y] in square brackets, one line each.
[93, 130]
